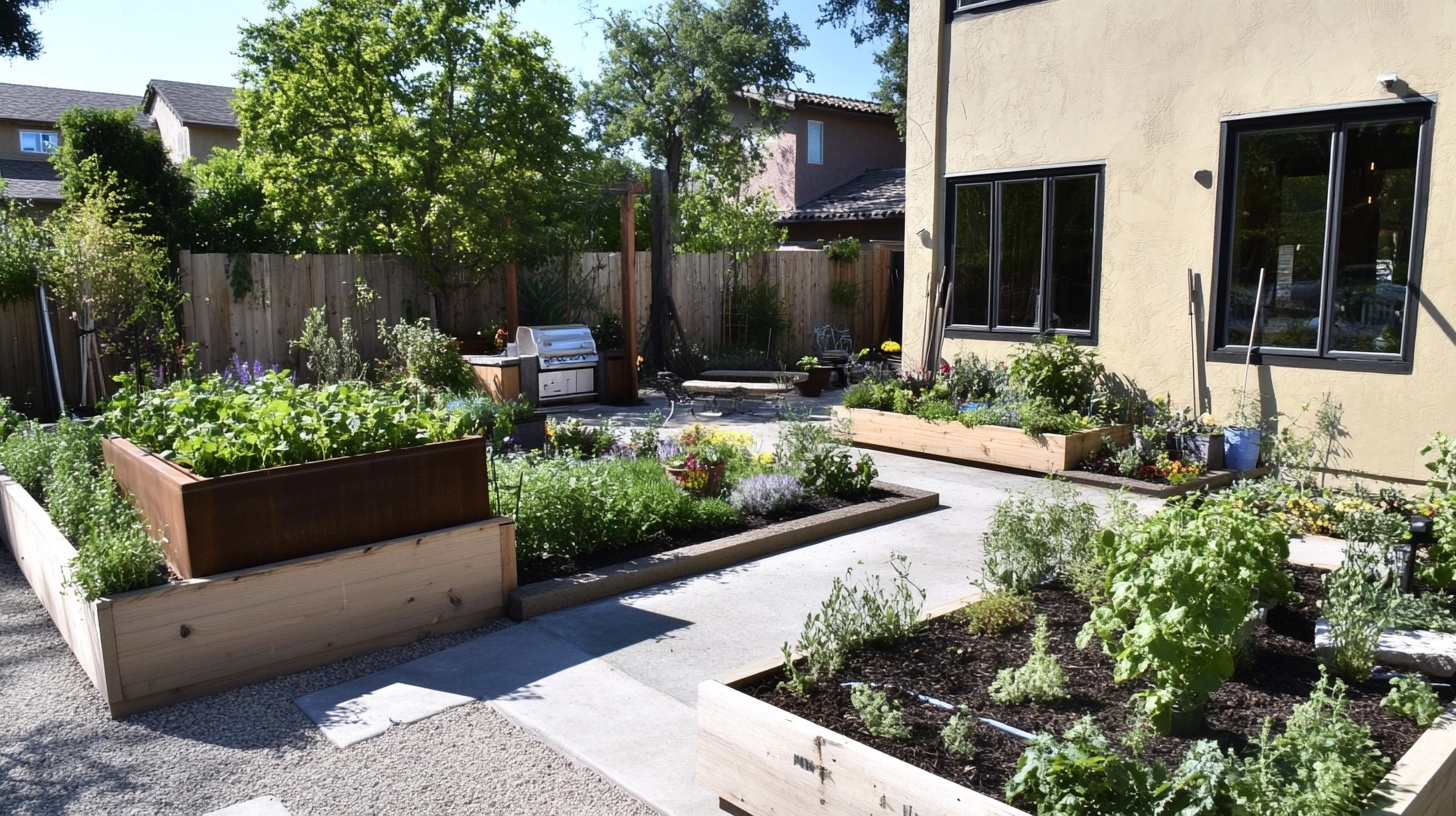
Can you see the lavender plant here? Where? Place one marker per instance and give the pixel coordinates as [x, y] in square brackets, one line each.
[766, 493]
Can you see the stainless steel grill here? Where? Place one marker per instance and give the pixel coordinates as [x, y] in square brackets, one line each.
[565, 358]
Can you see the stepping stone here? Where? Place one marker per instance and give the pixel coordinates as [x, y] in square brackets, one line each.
[1431, 652]
[262, 806]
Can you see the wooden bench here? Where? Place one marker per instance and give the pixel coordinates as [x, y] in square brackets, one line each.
[736, 390]
[752, 376]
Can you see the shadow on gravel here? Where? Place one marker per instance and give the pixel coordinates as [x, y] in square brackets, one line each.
[45, 770]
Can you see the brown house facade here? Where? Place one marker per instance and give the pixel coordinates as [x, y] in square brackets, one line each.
[29, 133]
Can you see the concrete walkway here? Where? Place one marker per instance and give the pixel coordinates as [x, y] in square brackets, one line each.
[613, 684]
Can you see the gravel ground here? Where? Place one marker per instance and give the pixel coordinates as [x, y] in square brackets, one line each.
[61, 753]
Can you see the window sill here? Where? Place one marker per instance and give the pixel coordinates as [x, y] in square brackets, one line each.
[1235, 355]
[962, 9]
[1013, 335]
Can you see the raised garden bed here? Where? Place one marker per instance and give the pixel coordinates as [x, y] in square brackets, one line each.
[761, 759]
[983, 444]
[157, 646]
[1211, 480]
[893, 502]
[226, 523]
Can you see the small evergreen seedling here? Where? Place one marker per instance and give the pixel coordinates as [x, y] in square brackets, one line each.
[1041, 680]
[882, 716]
[1414, 699]
[957, 735]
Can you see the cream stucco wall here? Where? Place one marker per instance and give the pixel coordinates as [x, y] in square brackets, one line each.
[1142, 86]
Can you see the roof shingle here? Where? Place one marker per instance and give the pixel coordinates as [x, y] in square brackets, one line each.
[34, 180]
[840, 102]
[871, 196]
[194, 104]
[33, 103]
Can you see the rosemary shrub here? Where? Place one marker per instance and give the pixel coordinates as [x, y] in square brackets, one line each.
[1041, 680]
[881, 716]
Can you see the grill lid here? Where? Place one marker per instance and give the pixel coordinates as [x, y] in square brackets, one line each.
[565, 344]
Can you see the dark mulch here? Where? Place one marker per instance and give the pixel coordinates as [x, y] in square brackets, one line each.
[950, 664]
[559, 566]
[1107, 466]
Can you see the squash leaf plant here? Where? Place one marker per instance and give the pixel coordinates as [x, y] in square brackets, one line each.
[1182, 591]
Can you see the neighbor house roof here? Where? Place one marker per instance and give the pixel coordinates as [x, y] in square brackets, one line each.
[33, 180]
[796, 99]
[194, 104]
[871, 196]
[33, 103]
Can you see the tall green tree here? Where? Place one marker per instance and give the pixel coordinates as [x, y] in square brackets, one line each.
[870, 20]
[669, 74]
[105, 150]
[23, 250]
[426, 127]
[17, 37]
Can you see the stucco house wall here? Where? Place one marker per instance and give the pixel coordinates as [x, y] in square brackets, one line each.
[1142, 87]
[10, 139]
[205, 138]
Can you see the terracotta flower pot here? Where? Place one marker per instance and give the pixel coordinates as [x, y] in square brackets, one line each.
[704, 481]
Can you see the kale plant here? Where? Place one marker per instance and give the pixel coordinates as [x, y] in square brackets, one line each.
[1081, 773]
[958, 736]
[881, 716]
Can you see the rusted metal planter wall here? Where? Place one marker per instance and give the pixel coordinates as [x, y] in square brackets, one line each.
[261, 517]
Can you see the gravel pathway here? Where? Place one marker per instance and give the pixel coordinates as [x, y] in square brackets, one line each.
[61, 753]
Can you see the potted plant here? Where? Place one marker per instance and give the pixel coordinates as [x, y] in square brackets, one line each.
[1201, 439]
[698, 460]
[1244, 434]
[818, 376]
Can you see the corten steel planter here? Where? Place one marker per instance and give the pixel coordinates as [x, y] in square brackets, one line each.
[761, 760]
[984, 444]
[160, 645]
[244, 520]
[816, 383]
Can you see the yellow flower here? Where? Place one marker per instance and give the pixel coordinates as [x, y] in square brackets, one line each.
[765, 459]
[889, 347]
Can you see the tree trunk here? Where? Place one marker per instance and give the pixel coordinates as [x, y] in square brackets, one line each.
[661, 269]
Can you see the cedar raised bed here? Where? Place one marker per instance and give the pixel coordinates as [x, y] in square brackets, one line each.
[984, 444]
[262, 517]
[164, 644]
[761, 760]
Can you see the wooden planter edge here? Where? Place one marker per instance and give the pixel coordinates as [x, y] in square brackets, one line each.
[122, 641]
[793, 766]
[559, 593]
[985, 444]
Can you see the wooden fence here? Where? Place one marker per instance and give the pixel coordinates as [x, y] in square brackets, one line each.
[260, 325]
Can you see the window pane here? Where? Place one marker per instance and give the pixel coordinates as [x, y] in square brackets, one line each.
[971, 306]
[816, 142]
[1021, 249]
[1074, 218]
[1376, 217]
[1281, 195]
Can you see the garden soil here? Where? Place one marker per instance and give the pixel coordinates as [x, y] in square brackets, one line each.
[949, 663]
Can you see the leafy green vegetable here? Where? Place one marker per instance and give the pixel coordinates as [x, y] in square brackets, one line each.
[1414, 699]
[1081, 773]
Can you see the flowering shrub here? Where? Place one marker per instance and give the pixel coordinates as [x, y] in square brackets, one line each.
[573, 437]
[766, 493]
[706, 446]
[244, 373]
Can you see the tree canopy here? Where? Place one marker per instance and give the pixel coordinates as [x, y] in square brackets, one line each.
[17, 37]
[105, 149]
[669, 74]
[426, 127]
[869, 20]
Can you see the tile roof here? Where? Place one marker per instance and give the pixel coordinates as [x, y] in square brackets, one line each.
[840, 102]
[34, 103]
[34, 180]
[194, 104]
[871, 196]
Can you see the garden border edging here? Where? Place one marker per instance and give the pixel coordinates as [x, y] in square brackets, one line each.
[559, 593]
[1213, 480]
[759, 759]
[164, 644]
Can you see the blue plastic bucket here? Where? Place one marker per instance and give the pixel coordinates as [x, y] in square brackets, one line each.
[1241, 448]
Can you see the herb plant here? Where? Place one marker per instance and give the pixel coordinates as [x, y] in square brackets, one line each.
[420, 352]
[1430, 611]
[1041, 680]
[998, 612]
[1414, 699]
[766, 493]
[1032, 536]
[852, 618]
[330, 360]
[1057, 370]
[1082, 773]
[1354, 606]
[881, 716]
[958, 736]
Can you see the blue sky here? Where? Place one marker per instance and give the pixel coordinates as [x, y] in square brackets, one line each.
[107, 45]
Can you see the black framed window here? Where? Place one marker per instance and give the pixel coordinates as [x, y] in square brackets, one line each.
[1025, 252]
[1330, 206]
